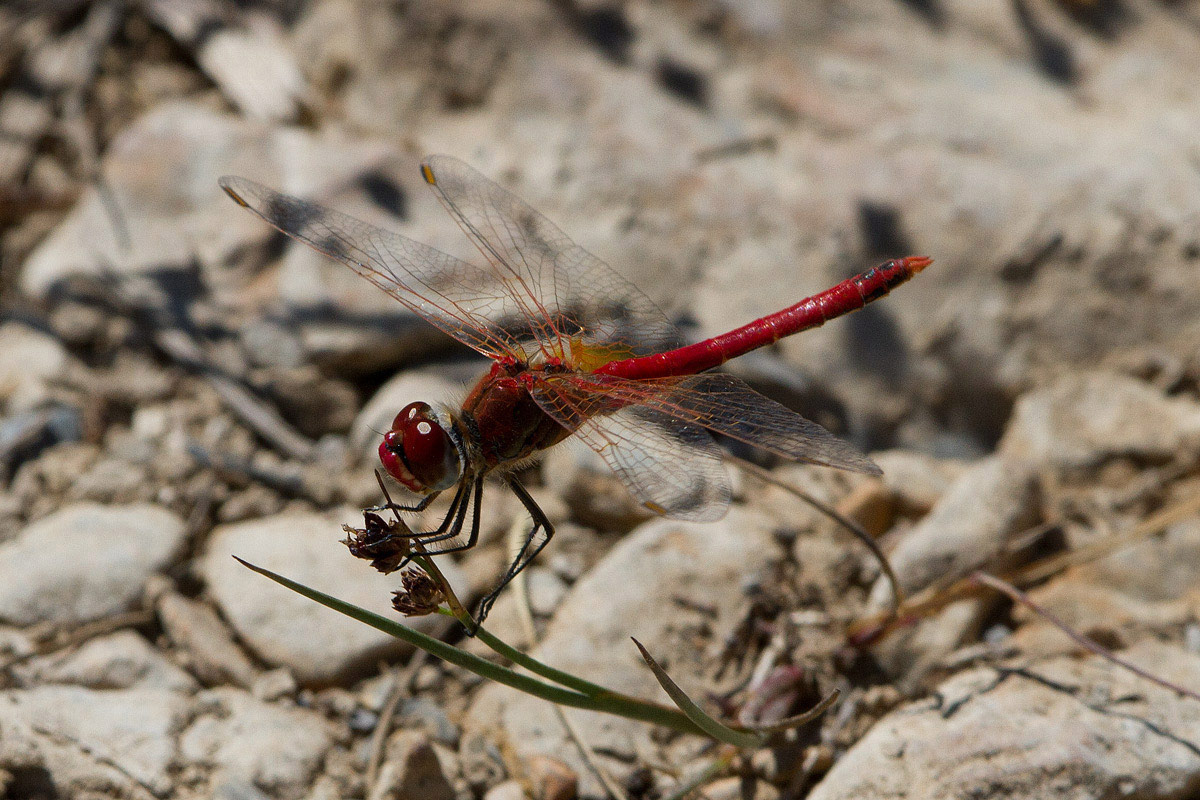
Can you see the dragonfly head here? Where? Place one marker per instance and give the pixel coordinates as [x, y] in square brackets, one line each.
[422, 449]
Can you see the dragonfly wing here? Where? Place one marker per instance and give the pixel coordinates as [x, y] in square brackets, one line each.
[726, 405]
[672, 467]
[566, 291]
[454, 295]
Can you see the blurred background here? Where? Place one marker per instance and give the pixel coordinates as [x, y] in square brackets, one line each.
[179, 383]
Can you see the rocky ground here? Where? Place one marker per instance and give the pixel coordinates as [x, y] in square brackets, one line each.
[178, 386]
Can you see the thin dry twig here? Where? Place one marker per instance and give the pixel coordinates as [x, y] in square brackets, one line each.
[256, 414]
[857, 530]
[516, 535]
[1147, 527]
[941, 594]
[60, 639]
[401, 689]
[1018, 596]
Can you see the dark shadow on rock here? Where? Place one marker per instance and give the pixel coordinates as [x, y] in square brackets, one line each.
[686, 83]
[932, 11]
[30, 783]
[876, 346]
[1022, 267]
[779, 380]
[974, 404]
[873, 339]
[882, 233]
[385, 193]
[1184, 12]
[1054, 56]
[606, 27]
[1104, 18]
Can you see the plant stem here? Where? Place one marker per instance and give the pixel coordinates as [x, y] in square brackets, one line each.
[605, 701]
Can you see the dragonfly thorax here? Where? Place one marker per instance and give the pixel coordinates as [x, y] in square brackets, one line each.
[423, 449]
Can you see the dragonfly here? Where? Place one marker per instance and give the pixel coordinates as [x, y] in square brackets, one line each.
[576, 350]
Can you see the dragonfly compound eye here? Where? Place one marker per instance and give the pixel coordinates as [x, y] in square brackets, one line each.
[419, 452]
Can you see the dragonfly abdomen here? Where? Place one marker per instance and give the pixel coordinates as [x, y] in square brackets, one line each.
[812, 312]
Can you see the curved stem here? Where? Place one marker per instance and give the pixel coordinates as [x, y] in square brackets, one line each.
[606, 701]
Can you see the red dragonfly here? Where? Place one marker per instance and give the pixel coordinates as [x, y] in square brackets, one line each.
[577, 350]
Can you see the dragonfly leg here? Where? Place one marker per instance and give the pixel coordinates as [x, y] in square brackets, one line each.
[451, 525]
[392, 506]
[472, 538]
[529, 550]
[459, 515]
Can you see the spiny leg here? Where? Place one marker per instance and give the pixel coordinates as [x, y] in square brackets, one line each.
[452, 522]
[421, 505]
[529, 550]
[451, 526]
[473, 537]
[458, 510]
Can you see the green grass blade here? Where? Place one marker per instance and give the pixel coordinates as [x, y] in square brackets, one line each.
[718, 731]
[605, 701]
[436, 647]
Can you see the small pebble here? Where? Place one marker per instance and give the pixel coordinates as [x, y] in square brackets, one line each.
[411, 771]
[362, 721]
[736, 788]
[1191, 637]
[552, 779]
[509, 790]
[274, 685]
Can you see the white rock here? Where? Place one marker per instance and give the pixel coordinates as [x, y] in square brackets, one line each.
[274, 685]
[629, 593]
[1151, 585]
[110, 480]
[276, 748]
[205, 641]
[1072, 729]
[967, 528]
[252, 63]
[918, 479]
[118, 743]
[508, 790]
[84, 561]
[410, 770]
[284, 629]
[28, 359]
[546, 591]
[122, 660]
[1079, 420]
[173, 215]
[15, 643]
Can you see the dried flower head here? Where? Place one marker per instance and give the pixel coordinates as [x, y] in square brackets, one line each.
[420, 594]
[384, 544]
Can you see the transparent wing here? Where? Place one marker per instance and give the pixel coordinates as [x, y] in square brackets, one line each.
[564, 291]
[672, 467]
[464, 300]
[725, 404]
[717, 402]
